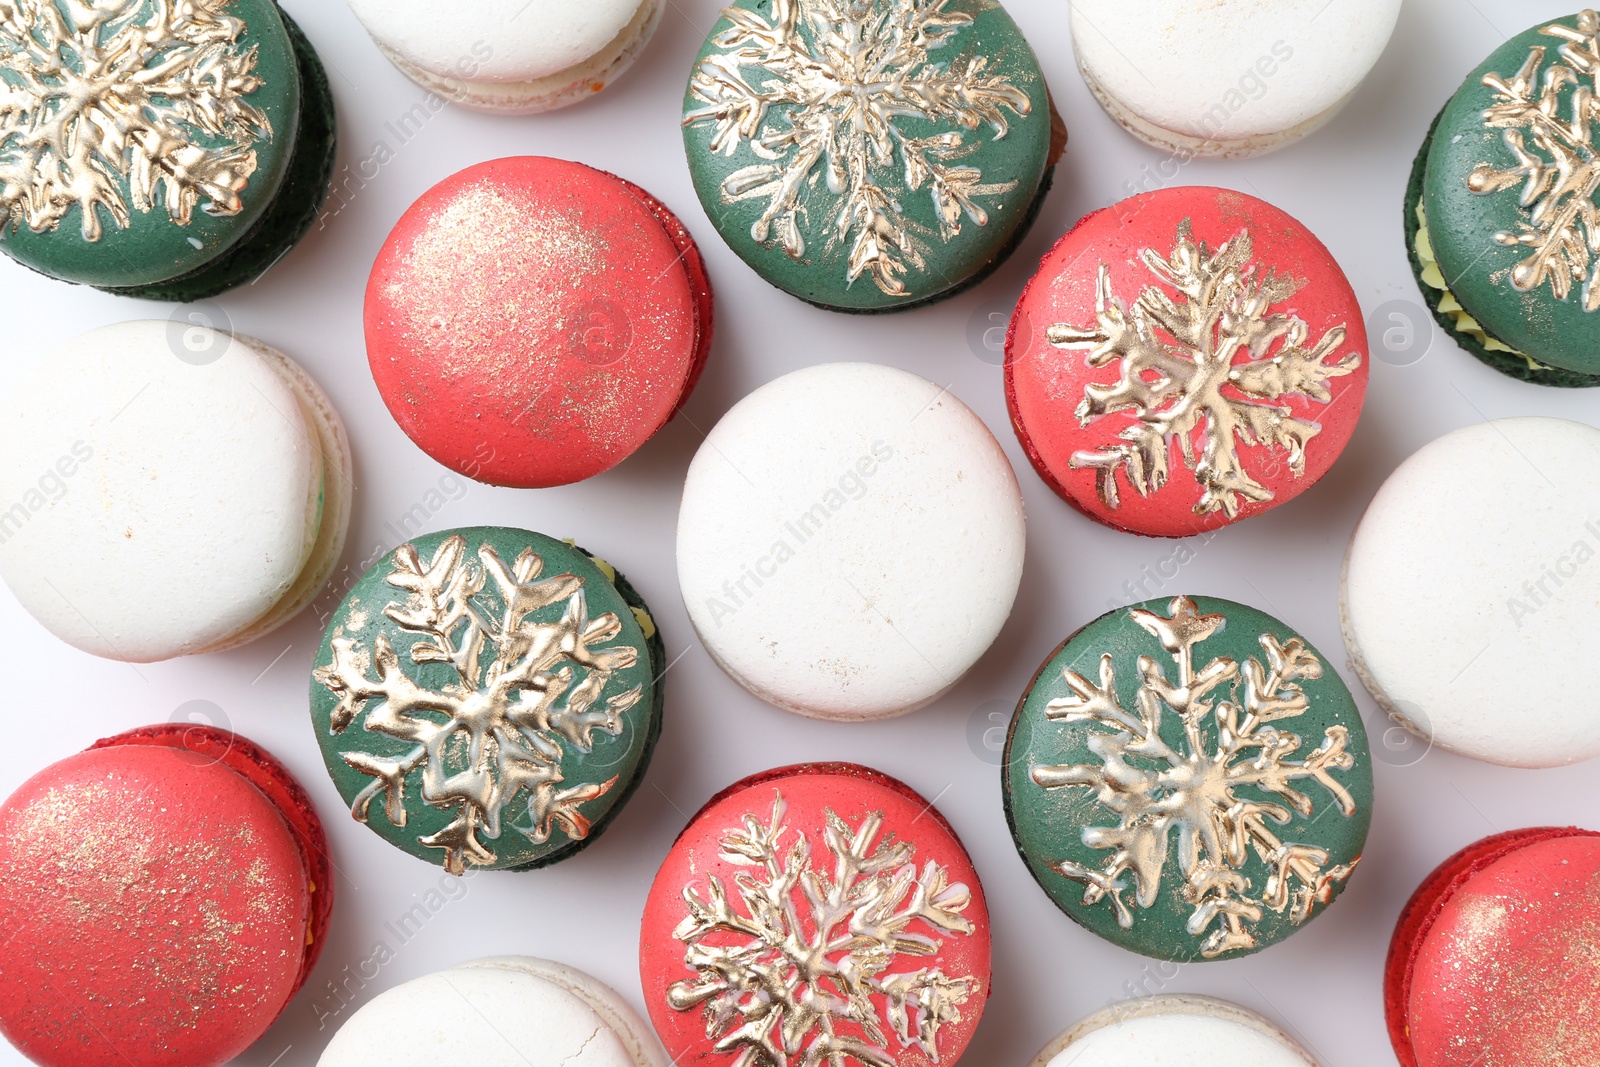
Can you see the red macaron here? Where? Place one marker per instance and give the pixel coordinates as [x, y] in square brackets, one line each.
[1185, 359]
[823, 912]
[1493, 962]
[532, 322]
[164, 894]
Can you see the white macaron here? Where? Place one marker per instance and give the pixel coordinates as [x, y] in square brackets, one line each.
[851, 541]
[169, 489]
[516, 57]
[1472, 592]
[1174, 1031]
[1227, 78]
[507, 1011]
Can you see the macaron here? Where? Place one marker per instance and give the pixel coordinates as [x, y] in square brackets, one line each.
[1178, 1030]
[1492, 962]
[532, 322]
[488, 698]
[1471, 588]
[870, 157]
[1227, 78]
[169, 490]
[512, 59]
[1189, 780]
[506, 1011]
[823, 914]
[1185, 359]
[164, 894]
[850, 541]
[1501, 220]
[165, 152]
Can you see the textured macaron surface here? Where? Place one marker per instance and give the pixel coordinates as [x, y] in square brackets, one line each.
[840, 878]
[156, 909]
[487, 697]
[1185, 359]
[873, 174]
[1475, 571]
[850, 541]
[1509, 236]
[1189, 779]
[1178, 1040]
[164, 489]
[180, 151]
[531, 322]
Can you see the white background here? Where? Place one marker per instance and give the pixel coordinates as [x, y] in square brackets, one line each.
[1345, 183]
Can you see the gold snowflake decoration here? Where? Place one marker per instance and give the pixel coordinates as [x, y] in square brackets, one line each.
[1556, 163]
[1217, 362]
[118, 105]
[521, 688]
[818, 91]
[814, 947]
[1211, 787]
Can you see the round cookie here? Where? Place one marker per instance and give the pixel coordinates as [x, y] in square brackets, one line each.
[195, 158]
[532, 322]
[1499, 227]
[1189, 780]
[1177, 1030]
[824, 913]
[1492, 961]
[1473, 574]
[1169, 433]
[1226, 78]
[488, 698]
[870, 156]
[164, 895]
[512, 59]
[850, 541]
[173, 490]
[505, 1011]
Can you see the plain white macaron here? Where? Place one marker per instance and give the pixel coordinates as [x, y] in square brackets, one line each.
[507, 1011]
[511, 56]
[1227, 78]
[169, 489]
[851, 541]
[1174, 1031]
[1472, 592]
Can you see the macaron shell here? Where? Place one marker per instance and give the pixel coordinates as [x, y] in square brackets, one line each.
[1048, 385]
[156, 907]
[541, 304]
[1177, 1030]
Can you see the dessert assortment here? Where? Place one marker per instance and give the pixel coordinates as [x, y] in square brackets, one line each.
[1188, 778]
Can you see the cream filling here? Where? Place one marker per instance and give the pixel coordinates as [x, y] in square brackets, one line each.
[1433, 277]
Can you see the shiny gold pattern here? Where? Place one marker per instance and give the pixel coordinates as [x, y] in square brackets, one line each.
[521, 688]
[1182, 371]
[777, 980]
[1155, 788]
[818, 91]
[118, 105]
[1556, 163]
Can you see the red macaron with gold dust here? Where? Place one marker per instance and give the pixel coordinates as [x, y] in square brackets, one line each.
[823, 913]
[1185, 359]
[164, 894]
[1496, 959]
[532, 322]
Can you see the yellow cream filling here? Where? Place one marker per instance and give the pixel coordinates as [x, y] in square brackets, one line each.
[641, 616]
[1433, 277]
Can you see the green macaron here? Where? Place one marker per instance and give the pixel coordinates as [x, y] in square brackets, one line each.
[167, 151]
[1189, 779]
[488, 698]
[1501, 218]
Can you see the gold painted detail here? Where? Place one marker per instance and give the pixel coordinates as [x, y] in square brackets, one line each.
[805, 948]
[1217, 360]
[1556, 163]
[818, 92]
[522, 689]
[119, 105]
[1194, 789]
